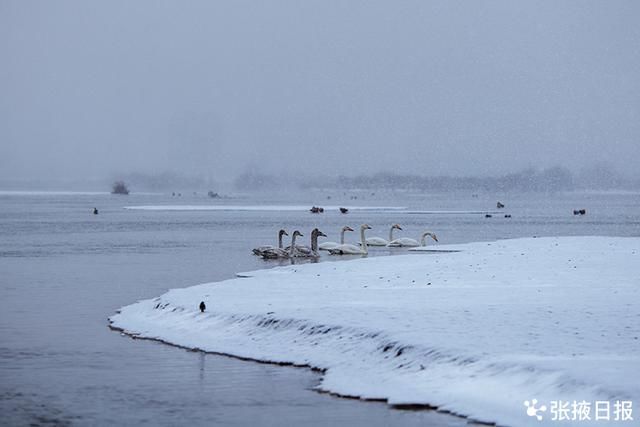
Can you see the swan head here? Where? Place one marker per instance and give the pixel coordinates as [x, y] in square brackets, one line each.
[318, 233]
[396, 226]
[430, 234]
[283, 232]
[365, 227]
[297, 234]
[347, 228]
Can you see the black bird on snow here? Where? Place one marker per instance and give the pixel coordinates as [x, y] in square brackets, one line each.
[203, 307]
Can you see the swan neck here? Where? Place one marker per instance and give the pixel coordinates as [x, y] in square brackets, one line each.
[314, 243]
[342, 237]
[391, 234]
[293, 245]
[280, 240]
[363, 241]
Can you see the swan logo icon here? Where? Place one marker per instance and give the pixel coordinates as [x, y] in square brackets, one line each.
[532, 411]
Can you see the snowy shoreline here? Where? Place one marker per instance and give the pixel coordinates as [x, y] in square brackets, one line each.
[474, 332]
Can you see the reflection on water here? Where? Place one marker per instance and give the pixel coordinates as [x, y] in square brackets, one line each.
[63, 271]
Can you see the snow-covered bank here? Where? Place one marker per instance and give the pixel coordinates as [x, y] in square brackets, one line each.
[476, 332]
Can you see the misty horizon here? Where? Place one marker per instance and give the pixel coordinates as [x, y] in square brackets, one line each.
[94, 91]
[554, 179]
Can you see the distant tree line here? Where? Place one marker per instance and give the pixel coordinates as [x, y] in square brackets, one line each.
[552, 179]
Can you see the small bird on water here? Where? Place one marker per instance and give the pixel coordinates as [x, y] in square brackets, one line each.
[203, 307]
[95, 211]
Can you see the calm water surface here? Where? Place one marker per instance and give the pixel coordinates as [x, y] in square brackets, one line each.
[63, 271]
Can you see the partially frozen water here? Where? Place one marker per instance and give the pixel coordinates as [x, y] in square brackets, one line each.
[63, 271]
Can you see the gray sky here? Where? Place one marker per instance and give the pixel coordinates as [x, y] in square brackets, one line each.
[88, 89]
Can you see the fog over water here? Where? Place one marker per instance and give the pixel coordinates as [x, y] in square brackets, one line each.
[91, 90]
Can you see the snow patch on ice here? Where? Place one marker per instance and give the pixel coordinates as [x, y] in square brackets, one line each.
[452, 212]
[278, 208]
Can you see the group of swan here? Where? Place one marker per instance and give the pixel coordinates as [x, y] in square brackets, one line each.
[348, 249]
[331, 245]
[401, 242]
[293, 250]
[297, 251]
[379, 241]
[406, 242]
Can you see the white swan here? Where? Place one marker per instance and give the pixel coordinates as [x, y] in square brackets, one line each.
[309, 252]
[260, 249]
[379, 241]
[407, 242]
[353, 249]
[277, 253]
[330, 245]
